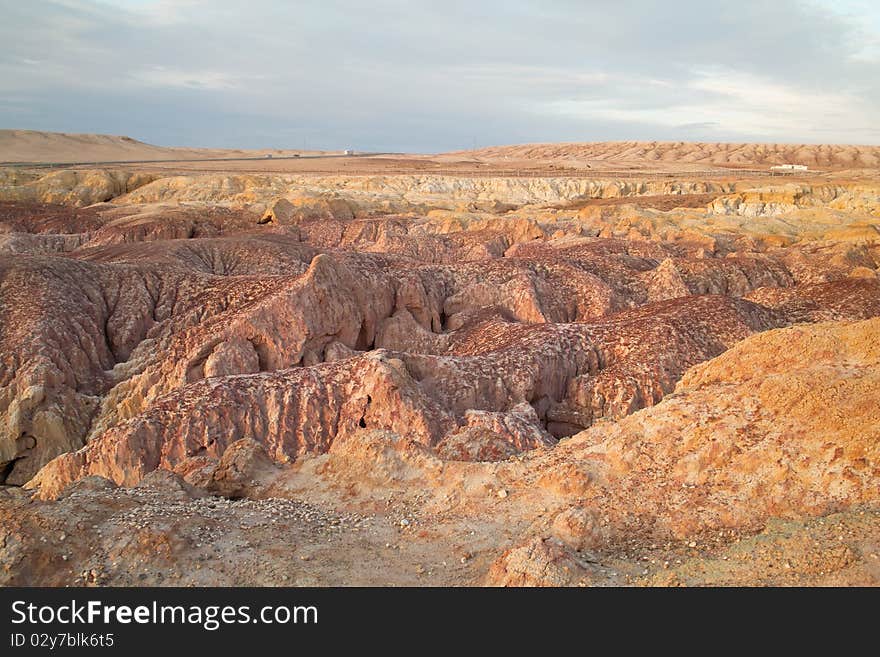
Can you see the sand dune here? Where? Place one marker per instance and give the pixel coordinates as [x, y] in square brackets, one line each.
[35, 146]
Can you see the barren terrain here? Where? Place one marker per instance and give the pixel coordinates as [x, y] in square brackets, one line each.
[832, 156]
[34, 146]
[513, 366]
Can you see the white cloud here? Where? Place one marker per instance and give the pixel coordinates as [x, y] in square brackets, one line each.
[157, 12]
[746, 105]
[159, 76]
[532, 75]
[413, 75]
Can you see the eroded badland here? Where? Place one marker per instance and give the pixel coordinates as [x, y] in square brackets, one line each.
[549, 365]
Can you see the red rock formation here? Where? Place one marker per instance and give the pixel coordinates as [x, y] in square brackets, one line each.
[162, 333]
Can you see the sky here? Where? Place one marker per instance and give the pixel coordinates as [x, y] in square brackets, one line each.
[415, 76]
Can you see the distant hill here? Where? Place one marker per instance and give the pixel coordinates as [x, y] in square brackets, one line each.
[716, 154]
[35, 146]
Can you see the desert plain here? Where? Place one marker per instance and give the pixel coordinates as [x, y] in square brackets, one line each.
[603, 364]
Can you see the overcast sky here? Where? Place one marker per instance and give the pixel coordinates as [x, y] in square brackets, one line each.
[405, 75]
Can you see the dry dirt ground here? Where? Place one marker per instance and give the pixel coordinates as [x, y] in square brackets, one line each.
[620, 159]
[431, 371]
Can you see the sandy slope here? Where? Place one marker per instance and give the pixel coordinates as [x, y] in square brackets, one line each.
[35, 146]
[814, 155]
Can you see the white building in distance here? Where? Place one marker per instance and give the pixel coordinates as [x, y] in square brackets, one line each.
[789, 167]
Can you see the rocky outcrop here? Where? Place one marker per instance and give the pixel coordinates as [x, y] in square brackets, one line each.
[540, 562]
[534, 388]
[783, 199]
[71, 330]
[401, 192]
[782, 424]
[127, 314]
[291, 212]
[470, 403]
[72, 187]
